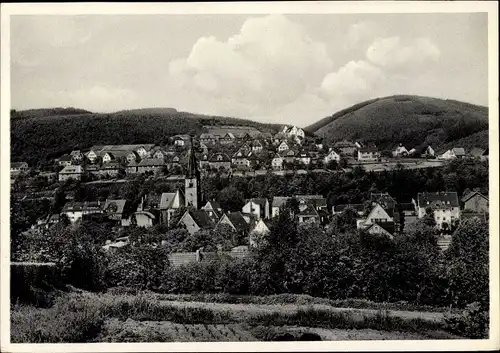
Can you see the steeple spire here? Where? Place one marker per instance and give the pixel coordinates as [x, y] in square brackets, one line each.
[192, 167]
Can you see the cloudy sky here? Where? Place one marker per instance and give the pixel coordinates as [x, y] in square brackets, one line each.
[294, 68]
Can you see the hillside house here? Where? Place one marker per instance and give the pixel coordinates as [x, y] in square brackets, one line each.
[278, 202]
[307, 213]
[131, 168]
[454, 153]
[378, 215]
[170, 202]
[17, 168]
[283, 146]
[108, 157]
[289, 156]
[293, 131]
[257, 206]
[260, 228]
[75, 211]
[143, 219]
[332, 155]
[345, 148]
[475, 202]
[132, 156]
[241, 160]
[74, 172]
[142, 150]
[381, 228]
[244, 149]
[194, 221]
[111, 169]
[93, 155]
[207, 139]
[359, 208]
[181, 140]
[203, 161]
[65, 160]
[213, 209]
[234, 220]
[114, 208]
[154, 165]
[359, 144]
[400, 151]
[159, 154]
[428, 152]
[227, 139]
[277, 162]
[304, 158]
[383, 199]
[368, 154]
[257, 146]
[477, 153]
[444, 205]
[220, 161]
[77, 155]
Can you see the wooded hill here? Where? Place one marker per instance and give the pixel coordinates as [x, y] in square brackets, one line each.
[40, 135]
[412, 120]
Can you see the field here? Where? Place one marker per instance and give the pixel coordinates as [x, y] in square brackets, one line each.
[148, 317]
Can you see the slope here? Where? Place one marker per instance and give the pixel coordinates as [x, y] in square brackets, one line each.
[412, 120]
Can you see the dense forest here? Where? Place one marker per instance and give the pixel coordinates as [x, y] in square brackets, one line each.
[412, 120]
[39, 136]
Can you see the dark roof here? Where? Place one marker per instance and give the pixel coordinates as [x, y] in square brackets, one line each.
[65, 158]
[154, 162]
[359, 207]
[317, 200]
[225, 158]
[20, 164]
[261, 201]
[435, 199]
[384, 199]
[368, 149]
[238, 221]
[215, 205]
[308, 210]
[201, 218]
[472, 194]
[407, 206]
[477, 152]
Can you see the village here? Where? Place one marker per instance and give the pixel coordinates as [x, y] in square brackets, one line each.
[232, 152]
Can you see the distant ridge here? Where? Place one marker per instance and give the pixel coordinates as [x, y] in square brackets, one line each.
[148, 111]
[412, 120]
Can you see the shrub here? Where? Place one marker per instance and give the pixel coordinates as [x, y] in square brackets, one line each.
[472, 323]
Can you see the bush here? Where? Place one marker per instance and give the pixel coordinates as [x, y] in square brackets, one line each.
[472, 323]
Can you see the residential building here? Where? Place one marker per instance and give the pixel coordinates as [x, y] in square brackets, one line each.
[154, 165]
[332, 155]
[278, 202]
[241, 160]
[477, 153]
[75, 211]
[131, 168]
[304, 158]
[293, 131]
[283, 146]
[111, 169]
[345, 148]
[159, 154]
[74, 172]
[195, 220]
[259, 229]
[256, 146]
[236, 221]
[220, 161]
[132, 156]
[65, 160]
[454, 153]
[289, 156]
[318, 201]
[444, 205]
[307, 213]
[400, 151]
[277, 162]
[476, 202]
[358, 207]
[207, 138]
[17, 168]
[428, 152]
[114, 208]
[143, 219]
[213, 209]
[257, 206]
[77, 155]
[170, 202]
[181, 140]
[383, 199]
[228, 138]
[378, 214]
[382, 228]
[368, 154]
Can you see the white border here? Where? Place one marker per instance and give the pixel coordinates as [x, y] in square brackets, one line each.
[491, 8]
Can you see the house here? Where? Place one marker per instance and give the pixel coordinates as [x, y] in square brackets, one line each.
[243, 150]
[117, 244]
[318, 201]
[181, 140]
[74, 172]
[131, 168]
[358, 207]
[383, 199]
[378, 214]
[476, 202]
[241, 160]
[207, 138]
[234, 220]
[428, 152]
[219, 161]
[259, 229]
[93, 155]
[277, 162]
[213, 209]
[367, 154]
[77, 210]
[304, 157]
[456, 152]
[154, 165]
[381, 228]
[332, 155]
[256, 146]
[17, 168]
[159, 154]
[65, 160]
[444, 204]
[293, 131]
[477, 153]
[132, 156]
[400, 151]
[283, 146]
[289, 156]
[110, 169]
[203, 161]
[142, 150]
[170, 202]
[195, 220]
[257, 206]
[228, 138]
[346, 148]
[359, 144]
[143, 219]
[114, 208]
[108, 157]
[77, 155]
[307, 213]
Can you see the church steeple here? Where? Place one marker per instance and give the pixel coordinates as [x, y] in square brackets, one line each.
[192, 187]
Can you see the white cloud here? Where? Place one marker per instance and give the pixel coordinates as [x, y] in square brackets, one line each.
[270, 63]
[391, 53]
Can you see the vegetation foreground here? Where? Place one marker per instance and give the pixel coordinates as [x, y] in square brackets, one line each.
[147, 317]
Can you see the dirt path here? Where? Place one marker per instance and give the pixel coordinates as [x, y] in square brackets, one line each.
[252, 309]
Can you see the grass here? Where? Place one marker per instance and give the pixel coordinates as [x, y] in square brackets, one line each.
[80, 317]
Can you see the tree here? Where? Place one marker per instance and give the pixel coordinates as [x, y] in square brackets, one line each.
[429, 218]
[230, 198]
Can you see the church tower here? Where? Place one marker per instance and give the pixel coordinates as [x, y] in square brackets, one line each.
[192, 187]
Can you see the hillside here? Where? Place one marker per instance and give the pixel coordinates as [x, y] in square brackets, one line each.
[41, 113]
[411, 120]
[40, 137]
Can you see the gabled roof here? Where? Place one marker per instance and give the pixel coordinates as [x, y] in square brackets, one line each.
[472, 194]
[459, 151]
[308, 210]
[120, 205]
[261, 201]
[230, 135]
[368, 149]
[477, 152]
[167, 199]
[237, 220]
[388, 227]
[317, 200]
[383, 198]
[65, 158]
[207, 136]
[201, 218]
[212, 205]
[279, 201]
[437, 199]
[72, 169]
[359, 207]
[225, 157]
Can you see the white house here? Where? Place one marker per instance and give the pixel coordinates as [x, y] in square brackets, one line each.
[295, 131]
[71, 172]
[257, 206]
[332, 156]
[283, 146]
[457, 152]
[400, 151]
[170, 202]
[277, 162]
[444, 204]
[259, 229]
[107, 157]
[428, 152]
[92, 156]
[304, 158]
[377, 215]
[368, 154]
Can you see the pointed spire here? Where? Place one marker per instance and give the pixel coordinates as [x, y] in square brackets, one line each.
[192, 168]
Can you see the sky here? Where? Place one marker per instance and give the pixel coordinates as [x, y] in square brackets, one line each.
[269, 68]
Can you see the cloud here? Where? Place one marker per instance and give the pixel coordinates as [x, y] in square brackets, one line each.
[271, 62]
[391, 53]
